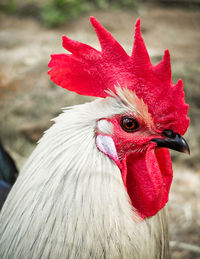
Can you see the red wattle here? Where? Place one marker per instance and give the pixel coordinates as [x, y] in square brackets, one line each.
[148, 180]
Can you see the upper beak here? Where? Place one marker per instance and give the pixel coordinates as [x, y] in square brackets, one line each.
[176, 142]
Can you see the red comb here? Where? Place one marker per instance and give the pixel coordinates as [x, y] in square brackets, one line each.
[90, 72]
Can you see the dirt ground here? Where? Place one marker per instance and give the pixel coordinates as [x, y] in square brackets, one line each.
[28, 99]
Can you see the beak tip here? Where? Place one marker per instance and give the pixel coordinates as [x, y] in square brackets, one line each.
[187, 151]
[186, 148]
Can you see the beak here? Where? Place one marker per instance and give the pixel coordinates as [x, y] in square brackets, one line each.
[176, 142]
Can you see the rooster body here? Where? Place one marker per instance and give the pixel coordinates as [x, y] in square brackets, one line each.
[76, 206]
[97, 184]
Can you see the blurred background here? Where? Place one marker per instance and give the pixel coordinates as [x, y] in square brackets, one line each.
[31, 30]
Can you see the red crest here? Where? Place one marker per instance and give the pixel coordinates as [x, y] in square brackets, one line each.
[87, 71]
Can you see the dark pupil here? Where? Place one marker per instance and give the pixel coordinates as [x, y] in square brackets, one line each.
[129, 124]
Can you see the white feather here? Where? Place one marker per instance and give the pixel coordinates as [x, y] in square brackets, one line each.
[105, 127]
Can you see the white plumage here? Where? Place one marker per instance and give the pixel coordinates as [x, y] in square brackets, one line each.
[70, 201]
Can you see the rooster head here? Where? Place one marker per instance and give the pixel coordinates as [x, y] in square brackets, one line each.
[154, 117]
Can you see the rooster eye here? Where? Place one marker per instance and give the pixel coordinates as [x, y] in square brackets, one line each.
[129, 124]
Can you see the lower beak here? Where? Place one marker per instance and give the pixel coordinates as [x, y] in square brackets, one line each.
[177, 143]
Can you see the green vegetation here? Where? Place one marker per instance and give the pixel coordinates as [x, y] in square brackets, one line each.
[57, 12]
[9, 6]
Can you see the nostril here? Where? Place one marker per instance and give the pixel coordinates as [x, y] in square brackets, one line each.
[169, 133]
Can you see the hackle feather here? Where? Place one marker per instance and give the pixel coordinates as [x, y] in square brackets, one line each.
[70, 201]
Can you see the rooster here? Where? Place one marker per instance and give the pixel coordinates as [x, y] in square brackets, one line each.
[97, 184]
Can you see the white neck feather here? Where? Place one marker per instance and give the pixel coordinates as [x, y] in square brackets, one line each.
[70, 201]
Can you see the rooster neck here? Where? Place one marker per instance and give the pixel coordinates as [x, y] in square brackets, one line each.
[70, 202]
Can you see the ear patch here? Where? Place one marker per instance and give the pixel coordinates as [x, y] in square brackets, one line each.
[106, 145]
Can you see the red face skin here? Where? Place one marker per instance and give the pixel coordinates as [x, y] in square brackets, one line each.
[146, 170]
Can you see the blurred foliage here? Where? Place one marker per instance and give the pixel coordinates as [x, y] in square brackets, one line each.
[60, 11]
[9, 6]
[57, 12]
